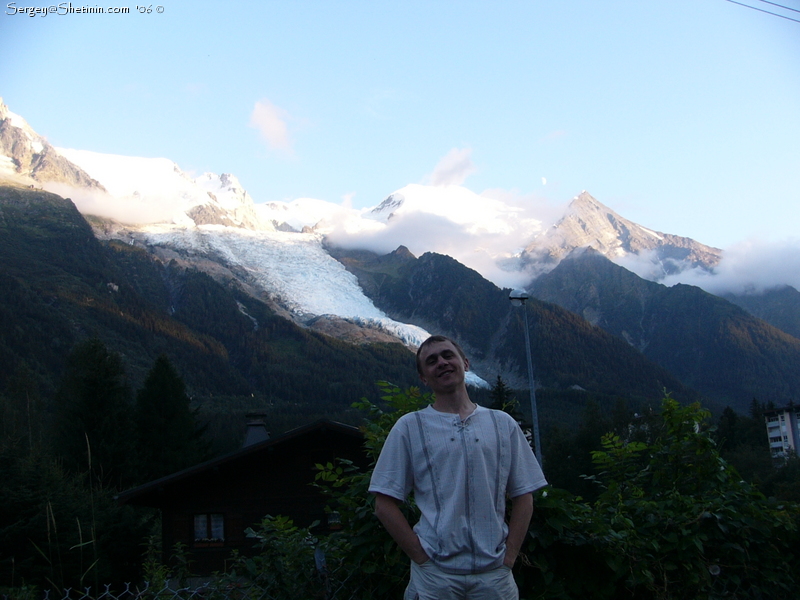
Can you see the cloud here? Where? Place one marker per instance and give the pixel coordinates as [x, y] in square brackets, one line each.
[270, 121]
[749, 267]
[453, 169]
[131, 210]
[532, 206]
[492, 254]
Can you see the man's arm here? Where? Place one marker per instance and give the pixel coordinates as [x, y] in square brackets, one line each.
[388, 511]
[521, 513]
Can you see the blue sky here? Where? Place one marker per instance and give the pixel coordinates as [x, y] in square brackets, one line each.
[680, 115]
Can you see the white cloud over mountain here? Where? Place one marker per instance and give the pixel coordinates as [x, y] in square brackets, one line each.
[752, 266]
[271, 123]
[453, 168]
[128, 210]
[481, 232]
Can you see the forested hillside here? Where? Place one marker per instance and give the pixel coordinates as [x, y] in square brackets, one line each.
[708, 343]
[780, 307]
[568, 352]
[60, 285]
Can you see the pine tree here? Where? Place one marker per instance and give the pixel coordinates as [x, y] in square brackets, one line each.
[22, 418]
[503, 399]
[93, 415]
[728, 427]
[168, 438]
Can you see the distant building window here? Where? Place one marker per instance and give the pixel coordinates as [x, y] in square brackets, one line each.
[209, 528]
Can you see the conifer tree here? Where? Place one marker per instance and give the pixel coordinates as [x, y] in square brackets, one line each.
[21, 413]
[168, 438]
[503, 399]
[93, 415]
[727, 433]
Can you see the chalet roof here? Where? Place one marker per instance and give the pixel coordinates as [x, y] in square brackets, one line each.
[138, 495]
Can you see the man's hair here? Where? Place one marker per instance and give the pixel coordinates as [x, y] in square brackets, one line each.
[432, 340]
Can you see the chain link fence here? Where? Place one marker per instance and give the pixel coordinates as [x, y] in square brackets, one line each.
[317, 588]
[167, 591]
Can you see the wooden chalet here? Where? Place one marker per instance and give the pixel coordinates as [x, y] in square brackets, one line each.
[209, 506]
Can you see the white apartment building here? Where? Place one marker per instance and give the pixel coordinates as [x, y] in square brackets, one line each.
[782, 430]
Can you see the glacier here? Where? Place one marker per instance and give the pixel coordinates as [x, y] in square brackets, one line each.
[293, 267]
[294, 270]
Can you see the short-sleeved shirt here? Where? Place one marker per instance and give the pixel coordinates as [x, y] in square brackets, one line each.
[460, 473]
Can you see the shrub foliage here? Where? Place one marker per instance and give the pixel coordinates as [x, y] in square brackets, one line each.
[672, 520]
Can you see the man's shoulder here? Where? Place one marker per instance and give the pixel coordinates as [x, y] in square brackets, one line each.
[412, 416]
[496, 414]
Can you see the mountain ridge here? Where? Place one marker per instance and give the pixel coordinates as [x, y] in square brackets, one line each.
[310, 262]
[29, 158]
[589, 224]
[505, 242]
[709, 343]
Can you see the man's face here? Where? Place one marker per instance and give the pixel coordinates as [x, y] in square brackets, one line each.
[442, 367]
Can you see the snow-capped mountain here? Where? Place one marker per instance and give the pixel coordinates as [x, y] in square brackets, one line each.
[278, 249]
[476, 214]
[589, 224]
[143, 190]
[505, 243]
[27, 157]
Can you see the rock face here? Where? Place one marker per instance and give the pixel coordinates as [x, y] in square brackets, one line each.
[589, 224]
[26, 154]
[710, 344]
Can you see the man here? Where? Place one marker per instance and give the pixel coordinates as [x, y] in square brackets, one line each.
[461, 461]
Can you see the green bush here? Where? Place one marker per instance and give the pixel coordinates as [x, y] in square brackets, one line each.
[672, 521]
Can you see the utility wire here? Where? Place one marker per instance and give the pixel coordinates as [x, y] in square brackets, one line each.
[780, 5]
[765, 11]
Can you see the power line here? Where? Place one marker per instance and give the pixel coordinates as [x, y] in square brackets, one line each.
[780, 5]
[766, 11]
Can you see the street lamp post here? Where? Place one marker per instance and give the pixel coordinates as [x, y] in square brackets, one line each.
[518, 298]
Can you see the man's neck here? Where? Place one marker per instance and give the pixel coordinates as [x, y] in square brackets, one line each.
[457, 402]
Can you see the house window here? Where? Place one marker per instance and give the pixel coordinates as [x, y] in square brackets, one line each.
[209, 528]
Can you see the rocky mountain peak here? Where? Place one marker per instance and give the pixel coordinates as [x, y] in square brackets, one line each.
[27, 156]
[587, 223]
[388, 206]
[403, 253]
[231, 182]
[585, 201]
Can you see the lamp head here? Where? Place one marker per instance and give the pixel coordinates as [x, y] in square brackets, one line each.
[518, 297]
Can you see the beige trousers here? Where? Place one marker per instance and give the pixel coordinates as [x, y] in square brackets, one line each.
[428, 582]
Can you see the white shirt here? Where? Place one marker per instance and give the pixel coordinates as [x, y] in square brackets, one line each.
[460, 473]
